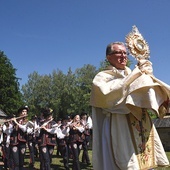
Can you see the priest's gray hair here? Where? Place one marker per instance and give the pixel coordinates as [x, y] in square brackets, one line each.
[109, 48]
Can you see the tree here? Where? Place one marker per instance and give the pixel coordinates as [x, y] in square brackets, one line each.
[84, 77]
[64, 93]
[37, 92]
[10, 95]
[44, 91]
[61, 87]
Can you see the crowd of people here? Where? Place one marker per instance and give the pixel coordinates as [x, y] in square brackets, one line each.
[41, 134]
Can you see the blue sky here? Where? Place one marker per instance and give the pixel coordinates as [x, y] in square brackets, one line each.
[46, 35]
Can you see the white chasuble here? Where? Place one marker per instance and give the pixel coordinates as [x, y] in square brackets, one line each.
[124, 137]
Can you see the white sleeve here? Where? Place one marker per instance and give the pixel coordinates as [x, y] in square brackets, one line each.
[36, 129]
[60, 135]
[66, 131]
[89, 122]
[23, 127]
[1, 138]
[36, 126]
[8, 130]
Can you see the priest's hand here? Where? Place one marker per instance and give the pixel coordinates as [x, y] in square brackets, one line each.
[145, 66]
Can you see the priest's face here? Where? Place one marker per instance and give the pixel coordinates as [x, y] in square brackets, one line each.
[118, 57]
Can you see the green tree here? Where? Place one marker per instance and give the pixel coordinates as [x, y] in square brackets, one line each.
[84, 78]
[45, 91]
[10, 95]
[37, 92]
[57, 92]
[67, 94]
[64, 93]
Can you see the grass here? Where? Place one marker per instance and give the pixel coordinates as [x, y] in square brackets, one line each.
[57, 163]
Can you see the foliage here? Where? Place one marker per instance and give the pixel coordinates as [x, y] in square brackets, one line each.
[64, 93]
[10, 96]
[84, 77]
[152, 114]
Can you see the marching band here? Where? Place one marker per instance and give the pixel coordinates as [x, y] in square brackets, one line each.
[40, 135]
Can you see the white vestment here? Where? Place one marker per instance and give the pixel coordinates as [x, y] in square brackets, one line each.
[114, 97]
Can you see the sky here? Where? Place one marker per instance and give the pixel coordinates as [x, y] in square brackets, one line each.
[48, 35]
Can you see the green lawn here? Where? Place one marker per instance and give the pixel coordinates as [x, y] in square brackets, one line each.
[57, 163]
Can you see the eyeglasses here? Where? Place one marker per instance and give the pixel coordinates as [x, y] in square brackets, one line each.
[120, 53]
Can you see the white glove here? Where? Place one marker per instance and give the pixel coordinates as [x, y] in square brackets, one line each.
[145, 66]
